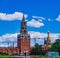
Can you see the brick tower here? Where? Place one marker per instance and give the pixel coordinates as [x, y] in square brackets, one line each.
[23, 38]
[47, 44]
[48, 41]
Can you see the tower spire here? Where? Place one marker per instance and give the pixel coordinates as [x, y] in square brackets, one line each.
[23, 30]
[48, 39]
[48, 36]
[23, 19]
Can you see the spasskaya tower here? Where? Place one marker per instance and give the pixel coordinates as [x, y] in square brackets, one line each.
[23, 38]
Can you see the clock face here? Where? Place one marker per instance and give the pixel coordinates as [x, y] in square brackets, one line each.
[22, 27]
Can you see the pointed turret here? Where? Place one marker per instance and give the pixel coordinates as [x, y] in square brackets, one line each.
[48, 39]
[23, 19]
[23, 30]
[47, 43]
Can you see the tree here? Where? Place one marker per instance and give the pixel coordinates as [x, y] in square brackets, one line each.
[56, 46]
[36, 50]
[2, 53]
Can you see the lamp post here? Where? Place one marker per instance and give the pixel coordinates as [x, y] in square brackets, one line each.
[8, 44]
[25, 53]
[35, 41]
[34, 44]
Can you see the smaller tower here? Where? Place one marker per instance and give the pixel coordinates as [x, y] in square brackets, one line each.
[48, 39]
[47, 43]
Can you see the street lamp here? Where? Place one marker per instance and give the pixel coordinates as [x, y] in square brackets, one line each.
[35, 41]
[25, 52]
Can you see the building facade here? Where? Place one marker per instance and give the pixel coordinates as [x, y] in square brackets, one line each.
[23, 44]
[24, 38]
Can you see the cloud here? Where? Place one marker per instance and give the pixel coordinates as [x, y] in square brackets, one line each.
[38, 35]
[34, 23]
[49, 19]
[38, 17]
[14, 16]
[3, 45]
[40, 20]
[10, 38]
[34, 34]
[58, 18]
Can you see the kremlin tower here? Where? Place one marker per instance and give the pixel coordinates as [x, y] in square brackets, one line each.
[47, 43]
[48, 40]
[23, 38]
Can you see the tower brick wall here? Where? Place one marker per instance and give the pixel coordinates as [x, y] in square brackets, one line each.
[23, 38]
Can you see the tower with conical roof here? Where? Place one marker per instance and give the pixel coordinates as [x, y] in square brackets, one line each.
[23, 38]
[48, 42]
[23, 30]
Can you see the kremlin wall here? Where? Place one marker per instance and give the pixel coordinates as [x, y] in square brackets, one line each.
[23, 42]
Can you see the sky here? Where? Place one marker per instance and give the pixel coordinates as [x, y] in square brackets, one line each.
[41, 16]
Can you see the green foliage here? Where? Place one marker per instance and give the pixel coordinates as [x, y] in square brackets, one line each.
[3, 53]
[5, 56]
[36, 50]
[56, 46]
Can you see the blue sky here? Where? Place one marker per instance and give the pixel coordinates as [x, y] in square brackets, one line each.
[41, 16]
